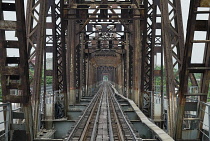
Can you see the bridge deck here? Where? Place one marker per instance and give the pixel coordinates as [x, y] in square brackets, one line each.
[105, 119]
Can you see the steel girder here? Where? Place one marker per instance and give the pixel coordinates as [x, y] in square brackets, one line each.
[151, 46]
[36, 41]
[195, 27]
[73, 52]
[148, 41]
[173, 43]
[78, 12]
[130, 68]
[158, 48]
[14, 70]
[148, 46]
[59, 49]
[82, 65]
[124, 58]
[56, 48]
[86, 73]
[78, 65]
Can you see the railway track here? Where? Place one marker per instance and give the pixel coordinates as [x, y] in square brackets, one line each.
[102, 120]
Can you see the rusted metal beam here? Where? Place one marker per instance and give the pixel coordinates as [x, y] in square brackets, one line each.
[127, 68]
[189, 67]
[19, 79]
[59, 50]
[137, 57]
[8, 25]
[87, 21]
[173, 42]
[72, 45]
[63, 50]
[41, 36]
[148, 52]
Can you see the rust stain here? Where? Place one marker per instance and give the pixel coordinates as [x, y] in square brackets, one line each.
[205, 3]
[106, 61]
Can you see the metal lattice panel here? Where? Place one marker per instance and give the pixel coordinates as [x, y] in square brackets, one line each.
[36, 41]
[173, 43]
[148, 41]
[14, 69]
[187, 99]
[59, 49]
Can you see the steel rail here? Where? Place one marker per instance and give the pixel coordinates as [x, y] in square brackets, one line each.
[120, 133]
[93, 137]
[83, 115]
[125, 119]
[111, 136]
[82, 138]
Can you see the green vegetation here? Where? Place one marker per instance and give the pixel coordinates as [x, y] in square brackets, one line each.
[49, 79]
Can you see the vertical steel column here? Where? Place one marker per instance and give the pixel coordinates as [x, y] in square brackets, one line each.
[136, 61]
[36, 31]
[82, 67]
[15, 70]
[173, 43]
[158, 48]
[63, 50]
[41, 36]
[78, 71]
[57, 46]
[147, 76]
[127, 68]
[124, 58]
[34, 12]
[69, 68]
[84, 73]
[194, 25]
[54, 46]
[48, 48]
[59, 53]
[122, 73]
[88, 72]
[72, 45]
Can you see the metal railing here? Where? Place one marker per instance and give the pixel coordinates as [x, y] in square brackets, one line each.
[204, 108]
[6, 109]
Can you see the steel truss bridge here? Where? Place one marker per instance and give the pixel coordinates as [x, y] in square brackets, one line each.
[104, 67]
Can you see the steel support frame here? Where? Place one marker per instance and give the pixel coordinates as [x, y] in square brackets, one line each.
[158, 48]
[15, 70]
[173, 43]
[36, 41]
[189, 68]
[148, 47]
[124, 58]
[147, 76]
[48, 48]
[78, 71]
[152, 44]
[83, 19]
[88, 73]
[72, 61]
[82, 66]
[55, 47]
[59, 48]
